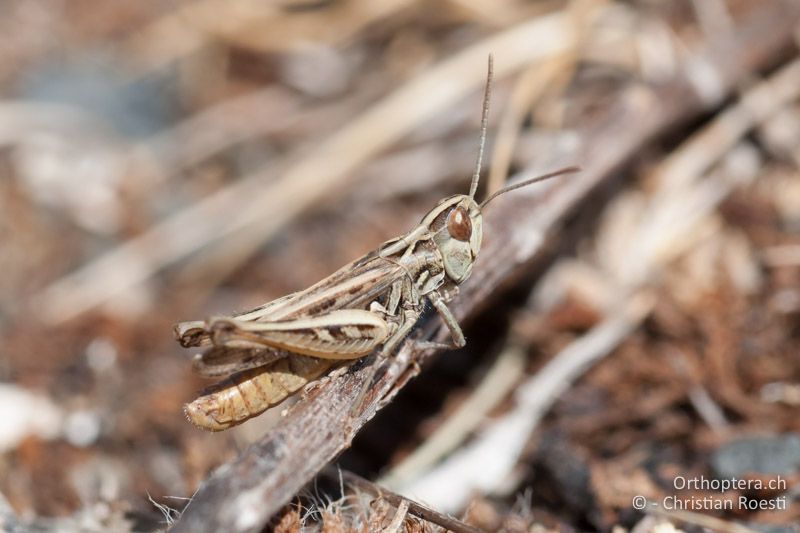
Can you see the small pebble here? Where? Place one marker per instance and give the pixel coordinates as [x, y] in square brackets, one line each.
[778, 454]
[101, 354]
[82, 428]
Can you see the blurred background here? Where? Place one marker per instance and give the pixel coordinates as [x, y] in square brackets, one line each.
[169, 160]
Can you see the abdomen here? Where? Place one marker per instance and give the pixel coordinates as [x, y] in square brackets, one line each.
[251, 392]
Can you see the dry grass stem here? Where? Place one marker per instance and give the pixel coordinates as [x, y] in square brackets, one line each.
[256, 207]
[492, 389]
[422, 511]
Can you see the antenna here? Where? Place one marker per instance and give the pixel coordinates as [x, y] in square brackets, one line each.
[487, 94]
[537, 179]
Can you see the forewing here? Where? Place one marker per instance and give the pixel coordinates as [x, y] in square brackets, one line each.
[340, 334]
[354, 286]
[195, 333]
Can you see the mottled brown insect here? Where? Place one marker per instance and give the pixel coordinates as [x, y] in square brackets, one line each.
[274, 350]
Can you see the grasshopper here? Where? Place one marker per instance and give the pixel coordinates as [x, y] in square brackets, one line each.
[274, 350]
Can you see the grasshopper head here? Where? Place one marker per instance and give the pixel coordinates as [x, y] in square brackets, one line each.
[458, 226]
[457, 221]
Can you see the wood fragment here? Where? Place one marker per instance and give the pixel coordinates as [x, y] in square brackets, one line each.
[417, 509]
[493, 388]
[399, 517]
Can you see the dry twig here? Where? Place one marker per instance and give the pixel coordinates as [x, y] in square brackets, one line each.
[493, 388]
[417, 509]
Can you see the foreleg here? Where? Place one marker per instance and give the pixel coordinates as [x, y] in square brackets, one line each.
[457, 339]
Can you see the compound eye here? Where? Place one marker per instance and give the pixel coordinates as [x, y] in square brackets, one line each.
[459, 224]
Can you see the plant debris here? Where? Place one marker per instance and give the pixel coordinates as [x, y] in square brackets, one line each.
[633, 330]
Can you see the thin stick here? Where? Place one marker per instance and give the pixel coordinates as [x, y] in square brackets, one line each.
[417, 509]
[494, 387]
[487, 96]
[399, 517]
